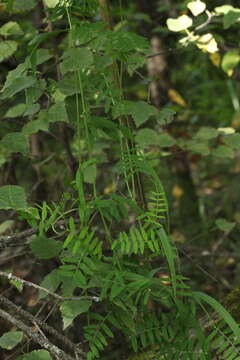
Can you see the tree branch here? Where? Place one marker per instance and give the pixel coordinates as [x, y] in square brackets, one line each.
[37, 336]
[9, 276]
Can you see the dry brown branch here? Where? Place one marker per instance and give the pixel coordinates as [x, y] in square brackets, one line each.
[49, 329]
[37, 336]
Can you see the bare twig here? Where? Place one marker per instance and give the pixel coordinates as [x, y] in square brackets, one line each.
[36, 336]
[27, 316]
[9, 276]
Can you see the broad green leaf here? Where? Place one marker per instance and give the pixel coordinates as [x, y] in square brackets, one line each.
[183, 22]
[231, 18]
[37, 355]
[23, 5]
[7, 48]
[165, 116]
[16, 142]
[68, 85]
[16, 111]
[57, 112]
[230, 61]
[198, 147]
[42, 55]
[223, 151]
[51, 3]
[220, 310]
[51, 282]
[76, 59]
[34, 126]
[206, 133]
[225, 225]
[45, 248]
[10, 28]
[90, 174]
[12, 197]
[233, 141]
[10, 339]
[31, 109]
[18, 85]
[71, 309]
[14, 74]
[139, 110]
[146, 137]
[165, 140]
[196, 7]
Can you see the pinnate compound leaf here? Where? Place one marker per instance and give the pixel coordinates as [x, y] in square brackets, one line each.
[7, 48]
[225, 225]
[16, 142]
[10, 339]
[181, 23]
[12, 197]
[233, 141]
[139, 110]
[37, 355]
[146, 137]
[71, 309]
[220, 310]
[45, 248]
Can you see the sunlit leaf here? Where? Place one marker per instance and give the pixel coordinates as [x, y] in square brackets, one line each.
[51, 3]
[196, 7]
[207, 43]
[181, 23]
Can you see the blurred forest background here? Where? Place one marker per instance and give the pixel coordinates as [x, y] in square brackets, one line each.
[193, 143]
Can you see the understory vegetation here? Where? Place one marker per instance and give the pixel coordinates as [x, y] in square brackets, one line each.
[119, 182]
